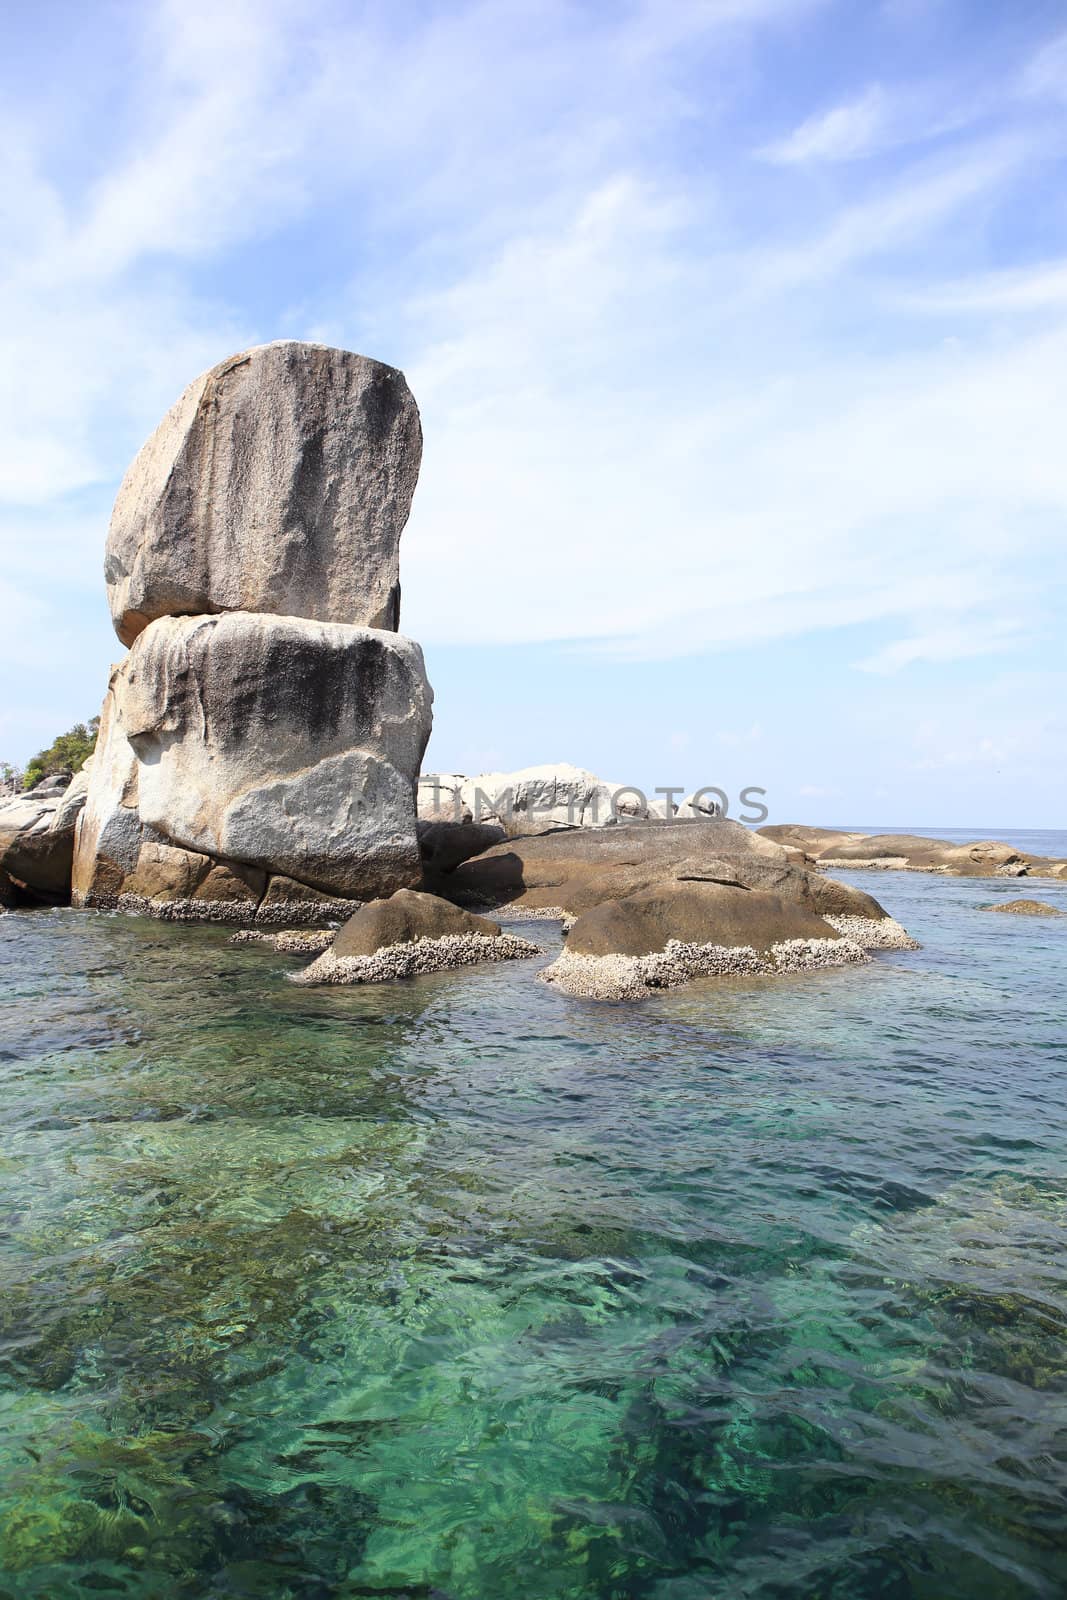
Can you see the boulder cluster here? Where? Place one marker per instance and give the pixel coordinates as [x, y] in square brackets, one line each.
[260, 744]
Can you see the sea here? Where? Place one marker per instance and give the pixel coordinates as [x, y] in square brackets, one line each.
[460, 1289]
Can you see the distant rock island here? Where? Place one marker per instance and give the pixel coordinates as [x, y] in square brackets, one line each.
[909, 852]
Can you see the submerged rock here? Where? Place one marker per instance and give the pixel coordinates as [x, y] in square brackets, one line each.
[1027, 908]
[279, 482]
[289, 941]
[407, 934]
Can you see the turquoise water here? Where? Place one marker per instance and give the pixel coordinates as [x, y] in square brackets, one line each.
[459, 1288]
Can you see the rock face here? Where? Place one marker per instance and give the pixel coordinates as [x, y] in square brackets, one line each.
[260, 745]
[989, 858]
[280, 482]
[288, 745]
[409, 934]
[37, 841]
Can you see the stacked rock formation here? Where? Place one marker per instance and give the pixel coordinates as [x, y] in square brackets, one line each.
[260, 744]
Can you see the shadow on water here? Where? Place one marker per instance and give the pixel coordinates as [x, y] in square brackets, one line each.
[459, 1288]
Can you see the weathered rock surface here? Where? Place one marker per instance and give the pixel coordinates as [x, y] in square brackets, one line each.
[694, 913]
[183, 886]
[287, 745]
[1027, 908]
[410, 933]
[988, 858]
[623, 949]
[802, 837]
[37, 841]
[109, 834]
[279, 482]
[288, 903]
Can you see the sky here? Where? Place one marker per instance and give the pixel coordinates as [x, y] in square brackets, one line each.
[738, 329]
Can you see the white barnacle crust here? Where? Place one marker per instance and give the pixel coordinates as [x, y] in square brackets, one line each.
[874, 933]
[414, 959]
[619, 977]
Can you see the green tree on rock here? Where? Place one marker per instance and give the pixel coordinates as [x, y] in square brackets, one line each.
[68, 753]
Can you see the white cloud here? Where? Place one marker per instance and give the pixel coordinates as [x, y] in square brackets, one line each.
[941, 643]
[663, 413]
[900, 215]
[843, 133]
[1027, 289]
[1045, 74]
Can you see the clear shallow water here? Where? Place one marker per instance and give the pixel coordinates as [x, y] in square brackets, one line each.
[458, 1288]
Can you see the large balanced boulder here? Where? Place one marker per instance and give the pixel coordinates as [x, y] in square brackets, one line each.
[655, 939]
[287, 745]
[280, 482]
[407, 934]
[568, 873]
[37, 841]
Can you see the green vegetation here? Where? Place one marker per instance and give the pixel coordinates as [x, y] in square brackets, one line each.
[68, 753]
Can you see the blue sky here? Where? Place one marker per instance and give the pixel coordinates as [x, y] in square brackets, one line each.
[738, 327]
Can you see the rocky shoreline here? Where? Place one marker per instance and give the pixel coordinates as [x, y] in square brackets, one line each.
[907, 852]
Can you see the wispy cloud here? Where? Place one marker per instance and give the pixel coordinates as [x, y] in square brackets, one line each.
[1028, 289]
[959, 642]
[843, 133]
[676, 399]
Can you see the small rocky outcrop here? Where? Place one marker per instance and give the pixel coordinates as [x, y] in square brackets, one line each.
[37, 841]
[260, 745]
[1027, 908]
[280, 482]
[662, 937]
[987, 858]
[407, 934]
